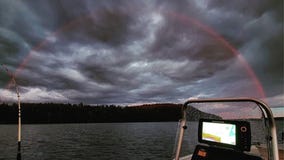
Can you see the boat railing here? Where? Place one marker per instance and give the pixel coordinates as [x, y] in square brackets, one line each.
[267, 116]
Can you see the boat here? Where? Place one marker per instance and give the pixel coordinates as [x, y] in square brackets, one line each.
[226, 129]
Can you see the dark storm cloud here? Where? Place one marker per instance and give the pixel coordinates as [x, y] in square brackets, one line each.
[140, 51]
[256, 29]
[104, 26]
[267, 41]
[178, 42]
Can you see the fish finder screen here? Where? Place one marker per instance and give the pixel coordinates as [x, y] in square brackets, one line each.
[219, 132]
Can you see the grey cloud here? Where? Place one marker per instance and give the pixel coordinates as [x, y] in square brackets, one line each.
[127, 52]
[190, 42]
[100, 22]
[105, 27]
[17, 17]
[11, 44]
[256, 30]
[267, 42]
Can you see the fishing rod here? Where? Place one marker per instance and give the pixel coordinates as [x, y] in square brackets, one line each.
[19, 157]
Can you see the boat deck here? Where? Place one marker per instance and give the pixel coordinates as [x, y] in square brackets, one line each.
[263, 151]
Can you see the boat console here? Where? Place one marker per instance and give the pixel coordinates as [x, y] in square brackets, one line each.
[223, 140]
[203, 152]
[220, 138]
[225, 133]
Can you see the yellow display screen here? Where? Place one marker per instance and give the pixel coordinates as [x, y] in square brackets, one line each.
[219, 132]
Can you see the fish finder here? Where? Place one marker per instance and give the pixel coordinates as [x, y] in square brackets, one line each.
[225, 133]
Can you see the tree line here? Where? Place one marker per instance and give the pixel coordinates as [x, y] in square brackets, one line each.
[38, 113]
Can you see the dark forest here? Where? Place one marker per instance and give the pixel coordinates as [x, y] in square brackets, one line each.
[38, 113]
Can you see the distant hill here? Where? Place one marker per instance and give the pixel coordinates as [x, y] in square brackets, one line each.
[278, 111]
[36, 113]
[194, 114]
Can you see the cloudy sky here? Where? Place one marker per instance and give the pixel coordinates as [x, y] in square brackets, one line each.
[113, 52]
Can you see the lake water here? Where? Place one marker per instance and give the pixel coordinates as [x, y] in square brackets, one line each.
[105, 141]
[100, 141]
